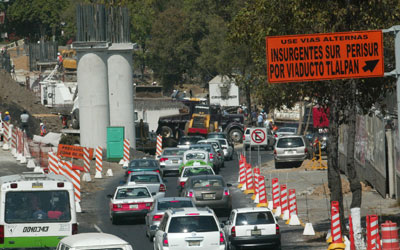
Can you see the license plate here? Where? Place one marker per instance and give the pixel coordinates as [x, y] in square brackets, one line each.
[194, 243]
[290, 152]
[175, 161]
[255, 232]
[209, 196]
[134, 206]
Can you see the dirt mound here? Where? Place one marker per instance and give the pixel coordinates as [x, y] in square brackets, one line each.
[321, 189]
[16, 98]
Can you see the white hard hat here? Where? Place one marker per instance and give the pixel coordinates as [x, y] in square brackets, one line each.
[41, 123]
[58, 53]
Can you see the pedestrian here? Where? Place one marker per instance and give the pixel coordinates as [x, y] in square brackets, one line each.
[7, 117]
[254, 117]
[24, 120]
[59, 61]
[43, 131]
[260, 120]
[64, 120]
[190, 93]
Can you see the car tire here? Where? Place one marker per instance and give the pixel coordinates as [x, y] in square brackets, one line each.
[236, 135]
[166, 132]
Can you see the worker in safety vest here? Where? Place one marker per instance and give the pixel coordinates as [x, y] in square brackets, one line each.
[42, 129]
[59, 61]
[7, 117]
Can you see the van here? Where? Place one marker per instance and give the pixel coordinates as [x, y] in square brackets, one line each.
[93, 241]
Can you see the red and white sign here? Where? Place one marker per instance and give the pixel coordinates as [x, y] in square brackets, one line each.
[258, 136]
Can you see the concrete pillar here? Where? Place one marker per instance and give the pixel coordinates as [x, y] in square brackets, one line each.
[120, 88]
[94, 113]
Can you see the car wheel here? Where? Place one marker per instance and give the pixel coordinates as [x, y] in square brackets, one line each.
[277, 165]
[114, 220]
[236, 135]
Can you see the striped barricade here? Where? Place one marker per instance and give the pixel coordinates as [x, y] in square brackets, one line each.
[336, 231]
[249, 180]
[372, 232]
[293, 213]
[127, 147]
[159, 145]
[86, 160]
[6, 131]
[284, 203]
[53, 163]
[99, 162]
[262, 189]
[256, 174]
[276, 196]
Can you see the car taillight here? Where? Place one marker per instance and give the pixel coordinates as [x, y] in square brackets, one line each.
[158, 171]
[165, 240]
[226, 192]
[182, 183]
[130, 171]
[244, 137]
[117, 205]
[221, 238]
[276, 136]
[277, 229]
[305, 150]
[163, 159]
[233, 231]
[162, 188]
[75, 228]
[219, 154]
[190, 194]
[157, 217]
[148, 204]
[211, 156]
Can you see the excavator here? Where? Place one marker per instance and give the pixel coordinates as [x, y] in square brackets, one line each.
[203, 120]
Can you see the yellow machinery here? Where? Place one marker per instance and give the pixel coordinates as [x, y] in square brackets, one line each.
[69, 59]
[201, 121]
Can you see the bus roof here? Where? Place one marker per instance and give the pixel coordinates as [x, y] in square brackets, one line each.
[32, 176]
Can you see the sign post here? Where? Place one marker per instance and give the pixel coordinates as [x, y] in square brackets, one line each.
[315, 57]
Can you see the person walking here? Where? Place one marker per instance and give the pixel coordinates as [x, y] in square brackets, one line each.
[59, 61]
[260, 120]
[43, 131]
[24, 121]
[7, 117]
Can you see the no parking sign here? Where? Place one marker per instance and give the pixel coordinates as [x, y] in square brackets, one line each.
[258, 136]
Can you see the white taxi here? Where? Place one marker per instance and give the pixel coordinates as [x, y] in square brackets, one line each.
[86, 241]
[130, 201]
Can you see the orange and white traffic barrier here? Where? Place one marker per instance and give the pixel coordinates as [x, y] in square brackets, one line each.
[6, 137]
[53, 163]
[293, 213]
[390, 238]
[256, 174]
[284, 203]
[14, 142]
[26, 154]
[275, 194]
[127, 147]
[159, 145]
[336, 232]
[99, 162]
[86, 160]
[351, 234]
[75, 177]
[262, 191]
[249, 180]
[373, 242]
[242, 174]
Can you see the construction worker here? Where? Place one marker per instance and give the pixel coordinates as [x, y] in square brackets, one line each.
[24, 120]
[43, 131]
[7, 117]
[59, 61]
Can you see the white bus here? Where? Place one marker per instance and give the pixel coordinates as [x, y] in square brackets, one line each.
[36, 210]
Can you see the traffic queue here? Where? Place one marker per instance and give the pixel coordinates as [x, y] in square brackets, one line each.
[191, 220]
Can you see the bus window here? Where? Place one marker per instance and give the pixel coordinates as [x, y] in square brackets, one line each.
[37, 206]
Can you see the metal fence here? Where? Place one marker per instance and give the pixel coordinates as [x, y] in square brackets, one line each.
[42, 53]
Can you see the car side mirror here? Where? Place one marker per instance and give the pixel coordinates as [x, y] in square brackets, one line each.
[109, 196]
[228, 184]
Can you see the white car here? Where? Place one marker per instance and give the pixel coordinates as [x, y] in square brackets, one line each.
[152, 180]
[196, 169]
[196, 154]
[248, 143]
[226, 148]
[252, 227]
[188, 228]
[130, 201]
[86, 241]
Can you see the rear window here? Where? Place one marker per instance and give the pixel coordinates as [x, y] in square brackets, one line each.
[189, 224]
[247, 131]
[164, 205]
[200, 183]
[197, 171]
[290, 143]
[195, 156]
[254, 218]
[292, 130]
[190, 140]
[206, 147]
[212, 136]
[173, 152]
[143, 164]
[223, 142]
[132, 193]
[145, 178]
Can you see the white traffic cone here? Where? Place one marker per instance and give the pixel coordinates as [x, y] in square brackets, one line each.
[86, 177]
[98, 175]
[6, 147]
[14, 152]
[294, 220]
[347, 243]
[243, 187]
[23, 160]
[278, 211]
[109, 172]
[285, 215]
[19, 157]
[31, 164]
[126, 164]
[308, 229]
[38, 169]
[78, 207]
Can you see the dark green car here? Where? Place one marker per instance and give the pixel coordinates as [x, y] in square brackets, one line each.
[143, 165]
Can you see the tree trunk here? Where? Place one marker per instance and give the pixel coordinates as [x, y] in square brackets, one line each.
[300, 118]
[308, 119]
[334, 181]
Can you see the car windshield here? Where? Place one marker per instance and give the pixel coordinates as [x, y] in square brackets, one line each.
[143, 164]
[132, 193]
[213, 136]
[37, 206]
[197, 171]
[291, 130]
[254, 218]
[205, 147]
[213, 144]
[195, 156]
[187, 224]
[205, 183]
[164, 205]
[189, 140]
[290, 142]
[177, 152]
[145, 178]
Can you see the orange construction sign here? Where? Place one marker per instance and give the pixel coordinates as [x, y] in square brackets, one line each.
[314, 57]
[70, 151]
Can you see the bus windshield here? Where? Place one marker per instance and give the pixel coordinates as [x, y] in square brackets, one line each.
[37, 206]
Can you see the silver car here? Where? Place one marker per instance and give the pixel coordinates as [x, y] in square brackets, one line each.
[152, 180]
[226, 148]
[171, 159]
[290, 148]
[213, 155]
[208, 191]
[218, 148]
[285, 131]
[153, 218]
